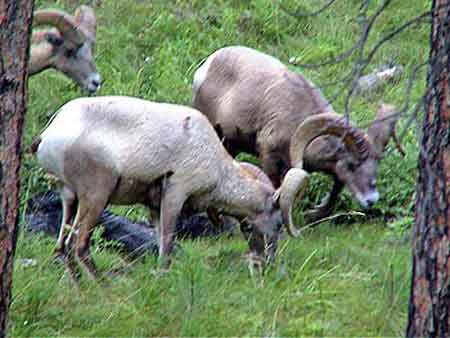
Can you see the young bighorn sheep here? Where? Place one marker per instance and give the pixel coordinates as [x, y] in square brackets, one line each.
[68, 47]
[256, 104]
[124, 150]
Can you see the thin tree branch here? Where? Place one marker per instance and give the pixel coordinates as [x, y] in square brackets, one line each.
[395, 32]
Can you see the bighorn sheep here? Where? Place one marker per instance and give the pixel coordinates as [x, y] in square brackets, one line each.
[125, 150]
[68, 47]
[256, 104]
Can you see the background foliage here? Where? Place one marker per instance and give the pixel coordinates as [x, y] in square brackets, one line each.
[337, 280]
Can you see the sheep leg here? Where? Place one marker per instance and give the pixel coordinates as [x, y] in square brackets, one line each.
[171, 205]
[89, 211]
[69, 258]
[325, 208]
[153, 218]
[215, 218]
[246, 230]
[271, 246]
[273, 165]
[68, 206]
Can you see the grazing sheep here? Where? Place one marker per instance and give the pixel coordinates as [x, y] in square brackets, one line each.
[256, 104]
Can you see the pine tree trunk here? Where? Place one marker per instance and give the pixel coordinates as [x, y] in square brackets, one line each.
[15, 28]
[429, 306]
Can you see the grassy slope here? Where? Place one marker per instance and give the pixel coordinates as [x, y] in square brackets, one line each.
[335, 281]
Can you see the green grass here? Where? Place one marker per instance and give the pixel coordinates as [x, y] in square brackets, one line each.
[336, 281]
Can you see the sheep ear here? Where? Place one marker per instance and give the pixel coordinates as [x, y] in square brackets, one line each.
[85, 16]
[382, 128]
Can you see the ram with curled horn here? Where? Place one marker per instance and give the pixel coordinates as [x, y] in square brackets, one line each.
[256, 104]
[67, 47]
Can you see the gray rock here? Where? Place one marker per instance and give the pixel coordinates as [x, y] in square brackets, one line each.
[369, 83]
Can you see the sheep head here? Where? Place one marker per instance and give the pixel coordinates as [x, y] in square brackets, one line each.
[68, 47]
[361, 157]
[270, 219]
[329, 154]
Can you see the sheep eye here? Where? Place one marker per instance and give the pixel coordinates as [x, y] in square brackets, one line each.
[54, 39]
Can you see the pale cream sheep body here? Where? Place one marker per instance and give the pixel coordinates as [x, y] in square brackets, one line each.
[120, 149]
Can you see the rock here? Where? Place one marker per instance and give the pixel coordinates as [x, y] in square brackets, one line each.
[26, 262]
[369, 83]
[136, 239]
[43, 213]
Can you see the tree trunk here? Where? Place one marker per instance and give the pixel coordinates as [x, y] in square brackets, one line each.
[429, 306]
[15, 23]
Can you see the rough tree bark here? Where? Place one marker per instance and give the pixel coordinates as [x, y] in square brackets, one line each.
[15, 28]
[429, 306]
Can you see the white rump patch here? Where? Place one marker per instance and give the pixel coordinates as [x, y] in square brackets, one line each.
[200, 75]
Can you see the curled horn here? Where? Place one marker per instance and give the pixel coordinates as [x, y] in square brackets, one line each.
[329, 123]
[64, 22]
[295, 182]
